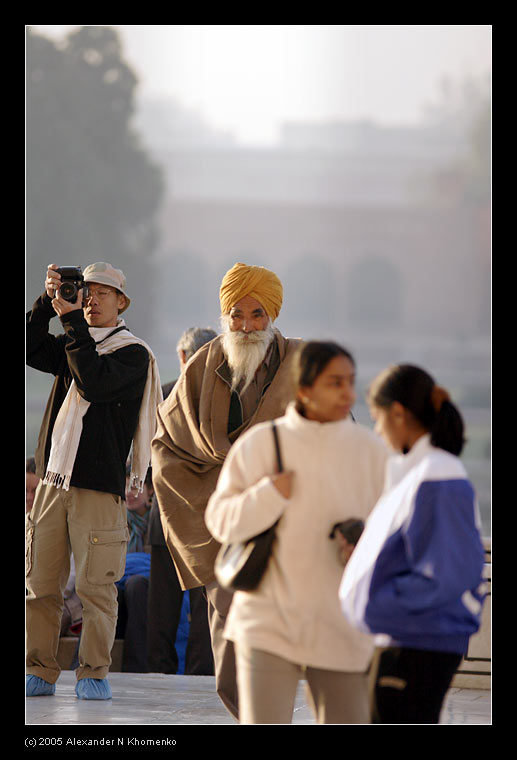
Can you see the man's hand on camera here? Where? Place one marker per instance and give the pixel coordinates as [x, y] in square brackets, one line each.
[64, 307]
[52, 280]
[52, 283]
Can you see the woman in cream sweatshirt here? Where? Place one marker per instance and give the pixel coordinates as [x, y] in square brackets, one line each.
[291, 627]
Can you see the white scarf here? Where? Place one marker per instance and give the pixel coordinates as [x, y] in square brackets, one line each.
[69, 421]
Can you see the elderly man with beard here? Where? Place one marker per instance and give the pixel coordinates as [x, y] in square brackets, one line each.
[240, 378]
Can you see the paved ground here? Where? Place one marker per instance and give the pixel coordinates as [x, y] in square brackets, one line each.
[148, 701]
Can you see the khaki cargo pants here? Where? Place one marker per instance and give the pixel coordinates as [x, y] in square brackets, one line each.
[93, 526]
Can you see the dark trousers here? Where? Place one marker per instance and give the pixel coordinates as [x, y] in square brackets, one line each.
[132, 623]
[164, 610]
[219, 602]
[409, 685]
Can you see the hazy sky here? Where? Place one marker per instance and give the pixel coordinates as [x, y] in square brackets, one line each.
[249, 79]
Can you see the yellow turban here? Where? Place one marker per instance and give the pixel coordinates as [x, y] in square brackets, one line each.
[258, 282]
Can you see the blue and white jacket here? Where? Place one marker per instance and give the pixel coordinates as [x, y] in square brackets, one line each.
[416, 573]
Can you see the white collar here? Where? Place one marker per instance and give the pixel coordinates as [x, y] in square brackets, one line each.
[400, 464]
[100, 333]
[296, 420]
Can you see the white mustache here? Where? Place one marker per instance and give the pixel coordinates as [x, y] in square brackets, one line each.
[256, 336]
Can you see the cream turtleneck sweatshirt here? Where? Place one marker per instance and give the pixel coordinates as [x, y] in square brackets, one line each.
[338, 473]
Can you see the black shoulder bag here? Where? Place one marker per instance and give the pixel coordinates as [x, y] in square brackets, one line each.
[240, 566]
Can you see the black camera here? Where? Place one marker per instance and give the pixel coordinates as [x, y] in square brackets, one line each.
[350, 529]
[71, 282]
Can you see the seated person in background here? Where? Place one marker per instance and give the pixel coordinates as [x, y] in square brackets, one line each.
[72, 620]
[133, 587]
[31, 483]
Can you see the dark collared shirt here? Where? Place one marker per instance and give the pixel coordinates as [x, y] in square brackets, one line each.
[243, 405]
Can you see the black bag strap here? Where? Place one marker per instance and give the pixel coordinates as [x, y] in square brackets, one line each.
[116, 330]
[277, 447]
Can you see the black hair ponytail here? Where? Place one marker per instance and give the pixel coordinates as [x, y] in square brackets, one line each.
[447, 428]
[416, 390]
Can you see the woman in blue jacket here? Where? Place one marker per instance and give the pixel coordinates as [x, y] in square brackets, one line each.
[415, 576]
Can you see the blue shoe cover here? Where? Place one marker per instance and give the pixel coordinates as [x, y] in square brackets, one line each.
[37, 687]
[93, 688]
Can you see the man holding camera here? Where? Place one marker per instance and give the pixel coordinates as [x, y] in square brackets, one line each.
[102, 406]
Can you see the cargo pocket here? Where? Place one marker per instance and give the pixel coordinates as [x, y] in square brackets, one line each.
[106, 555]
[29, 538]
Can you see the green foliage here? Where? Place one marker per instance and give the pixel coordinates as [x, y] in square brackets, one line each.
[92, 192]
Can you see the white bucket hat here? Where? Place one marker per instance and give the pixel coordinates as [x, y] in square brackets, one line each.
[104, 274]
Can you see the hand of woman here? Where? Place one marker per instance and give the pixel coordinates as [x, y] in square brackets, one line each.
[345, 548]
[283, 483]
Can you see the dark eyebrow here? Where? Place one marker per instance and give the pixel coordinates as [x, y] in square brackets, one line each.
[341, 377]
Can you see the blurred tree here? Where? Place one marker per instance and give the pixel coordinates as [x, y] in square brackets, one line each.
[478, 168]
[464, 109]
[92, 193]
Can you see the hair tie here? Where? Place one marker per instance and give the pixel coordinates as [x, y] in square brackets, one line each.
[438, 396]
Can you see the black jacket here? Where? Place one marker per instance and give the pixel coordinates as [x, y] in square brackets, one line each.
[113, 383]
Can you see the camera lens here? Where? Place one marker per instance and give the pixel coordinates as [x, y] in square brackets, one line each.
[68, 291]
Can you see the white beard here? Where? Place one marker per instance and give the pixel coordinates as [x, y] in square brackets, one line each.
[245, 352]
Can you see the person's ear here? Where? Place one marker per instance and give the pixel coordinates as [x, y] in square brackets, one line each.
[302, 395]
[398, 414]
[121, 300]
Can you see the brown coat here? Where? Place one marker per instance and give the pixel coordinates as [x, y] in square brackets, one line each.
[191, 444]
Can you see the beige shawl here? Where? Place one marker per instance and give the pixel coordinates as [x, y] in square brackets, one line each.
[191, 444]
[69, 421]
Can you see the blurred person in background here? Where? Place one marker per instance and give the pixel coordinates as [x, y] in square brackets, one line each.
[239, 379]
[133, 587]
[31, 483]
[415, 576]
[290, 628]
[102, 406]
[165, 592]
